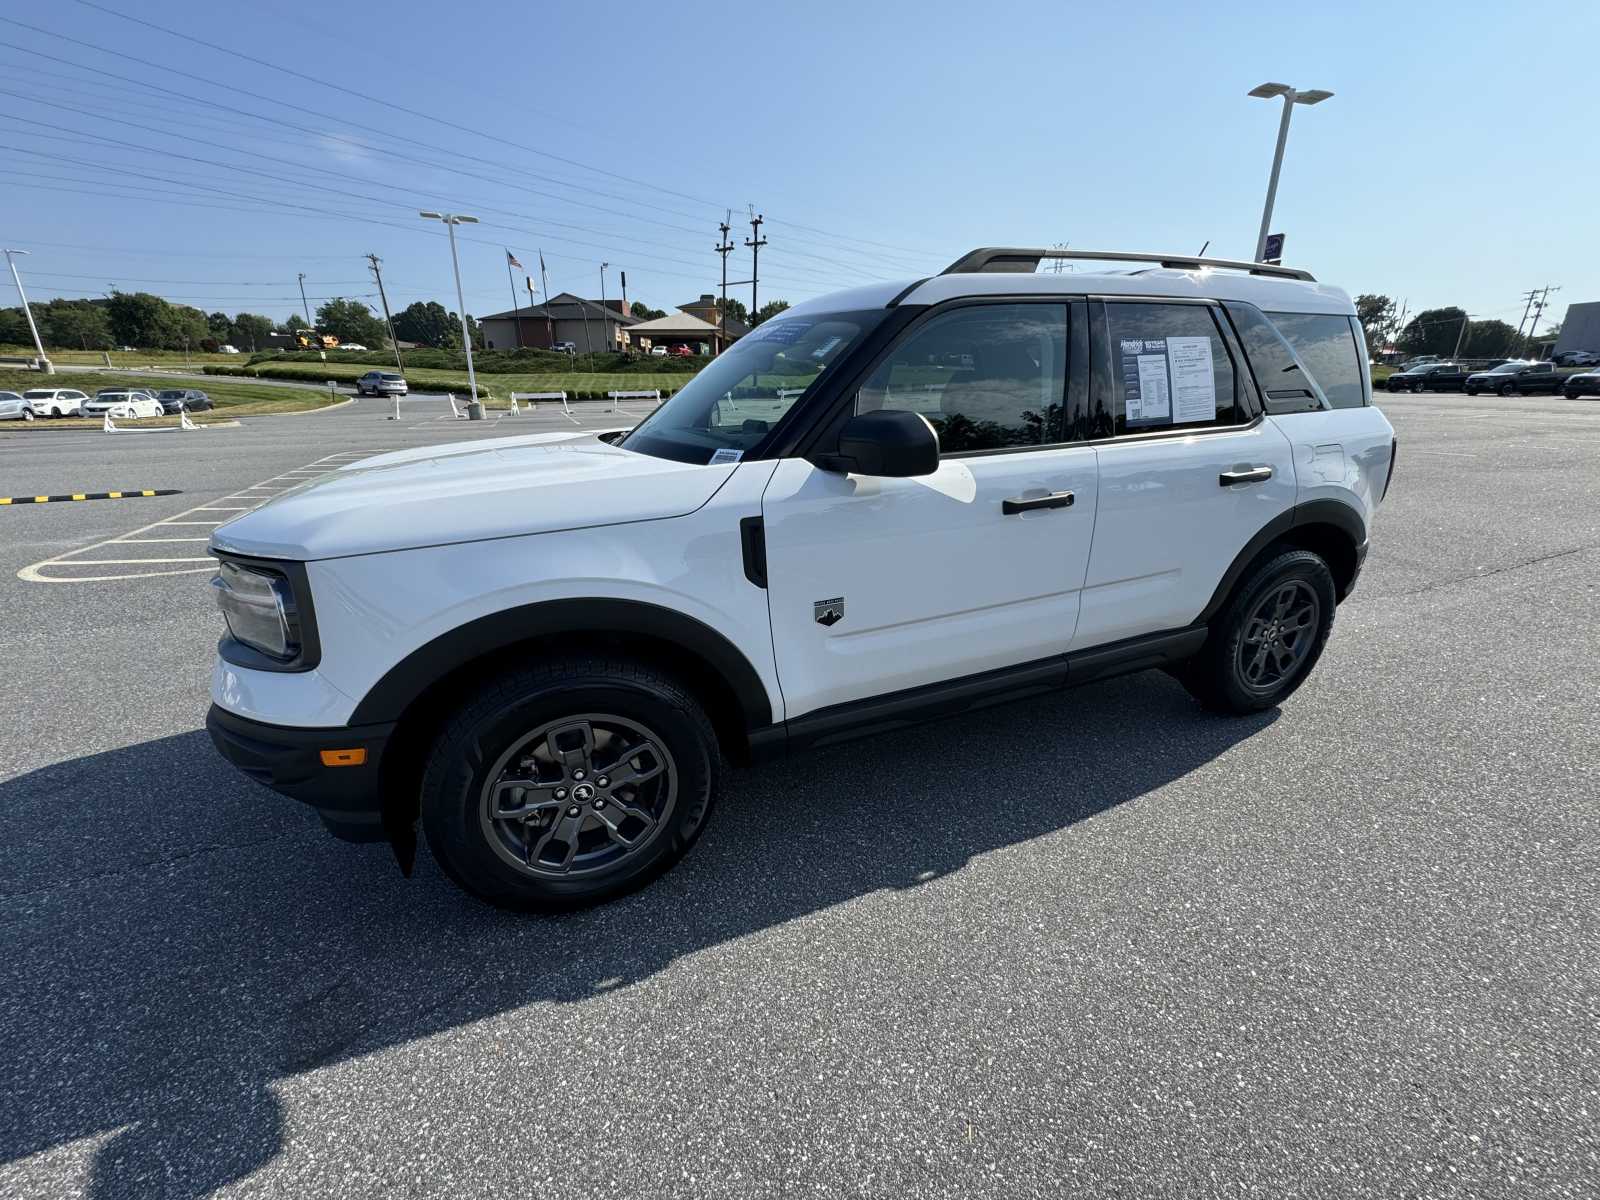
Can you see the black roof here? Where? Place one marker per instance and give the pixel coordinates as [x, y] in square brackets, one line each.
[565, 307]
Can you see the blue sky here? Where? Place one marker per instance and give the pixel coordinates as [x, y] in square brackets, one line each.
[1454, 164]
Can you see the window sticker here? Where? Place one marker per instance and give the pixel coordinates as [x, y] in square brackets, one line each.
[725, 455]
[1145, 388]
[1194, 387]
[785, 333]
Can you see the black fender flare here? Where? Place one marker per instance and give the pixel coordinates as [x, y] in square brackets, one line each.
[409, 678]
[1343, 517]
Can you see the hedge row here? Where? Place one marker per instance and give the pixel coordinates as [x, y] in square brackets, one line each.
[494, 362]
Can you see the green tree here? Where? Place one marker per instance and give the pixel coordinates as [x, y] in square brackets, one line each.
[292, 322]
[1376, 314]
[74, 325]
[351, 321]
[1488, 339]
[14, 328]
[1432, 331]
[644, 312]
[428, 324]
[150, 323]
[221, 326]
[473, 331]
[734, 308]
[251, 330]
[768, 310]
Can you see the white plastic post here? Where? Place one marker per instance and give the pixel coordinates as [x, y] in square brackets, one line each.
[108, 427]
[514, 409]
[183, 420]
[454, 411]
[396, 416]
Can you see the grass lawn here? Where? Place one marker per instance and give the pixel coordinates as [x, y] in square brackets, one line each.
[125, 358]
[233, 398]
[498, 387]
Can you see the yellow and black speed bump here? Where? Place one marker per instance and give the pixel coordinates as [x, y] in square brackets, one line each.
[127, 495]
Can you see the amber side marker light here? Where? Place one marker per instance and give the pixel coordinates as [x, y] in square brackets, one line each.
[344, 758]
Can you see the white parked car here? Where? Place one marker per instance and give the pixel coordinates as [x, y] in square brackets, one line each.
[123, 404]
[350, 346]
[54, 402]
[982, 485]
[658, 351]
[14, 408]
[227, 349]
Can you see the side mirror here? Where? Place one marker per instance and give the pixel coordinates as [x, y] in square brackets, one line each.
[888, 442]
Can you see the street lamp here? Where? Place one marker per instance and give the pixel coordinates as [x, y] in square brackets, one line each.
[1291, 97]
[451, 220]
[45, 364]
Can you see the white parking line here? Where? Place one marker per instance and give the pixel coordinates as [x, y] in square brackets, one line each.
[253, 497]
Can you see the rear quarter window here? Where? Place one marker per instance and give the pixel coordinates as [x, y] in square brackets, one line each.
[1327, 344]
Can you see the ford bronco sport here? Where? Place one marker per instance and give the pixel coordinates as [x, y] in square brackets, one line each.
[895, 502]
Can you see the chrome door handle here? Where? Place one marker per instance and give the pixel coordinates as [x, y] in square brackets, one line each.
[1253, 475]
[1022, 504]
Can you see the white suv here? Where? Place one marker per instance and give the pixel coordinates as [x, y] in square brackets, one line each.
[896, 502]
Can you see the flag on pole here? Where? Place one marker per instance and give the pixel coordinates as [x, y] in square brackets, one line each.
[511, 260]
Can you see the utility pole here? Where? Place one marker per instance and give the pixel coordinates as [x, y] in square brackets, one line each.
[1528, 296]
[724, 247]
[394, 342]
[45, 365]
[1538, 310]
[755, 241]
[1466, 319]
[603, 310]
[306, 308]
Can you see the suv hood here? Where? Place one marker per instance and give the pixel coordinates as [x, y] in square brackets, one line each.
[469, 492]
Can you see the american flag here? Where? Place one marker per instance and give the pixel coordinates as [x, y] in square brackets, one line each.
[512, 260]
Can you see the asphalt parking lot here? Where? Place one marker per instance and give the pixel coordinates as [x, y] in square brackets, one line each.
[1103, 944]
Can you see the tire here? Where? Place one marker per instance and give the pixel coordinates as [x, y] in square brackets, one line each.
[1219, 676]
[1508, 389]
[1472, 391]
[27, 414]
[521, 725]
[1417, 389]
[55, 412]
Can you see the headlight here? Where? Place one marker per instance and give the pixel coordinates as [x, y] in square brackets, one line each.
[259, 608]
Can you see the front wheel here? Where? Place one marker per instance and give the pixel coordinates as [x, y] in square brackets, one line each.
[567, 783]
[1265, 641]
[1508, 389]
[1417, 389]
[27, 414]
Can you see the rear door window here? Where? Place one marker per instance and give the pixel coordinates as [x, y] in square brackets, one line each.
[1170, 368]
[1327, 345]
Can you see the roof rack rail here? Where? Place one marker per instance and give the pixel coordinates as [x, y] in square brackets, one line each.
[1022, 259]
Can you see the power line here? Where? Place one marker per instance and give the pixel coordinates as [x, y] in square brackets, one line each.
[279, 102]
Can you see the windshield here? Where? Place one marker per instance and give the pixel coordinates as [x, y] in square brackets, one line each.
[1507, 368]
[37, 395]
[735, 401]
[391, 378]
[170, 395]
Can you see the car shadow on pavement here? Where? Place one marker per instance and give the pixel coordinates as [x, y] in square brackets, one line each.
[174, 939]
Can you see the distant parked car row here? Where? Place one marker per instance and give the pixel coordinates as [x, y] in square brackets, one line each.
[1513, 378]
[1575, 358]
[118, 402]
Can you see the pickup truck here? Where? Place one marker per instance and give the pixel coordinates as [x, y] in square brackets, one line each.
[1429, 377]
[1516, 378]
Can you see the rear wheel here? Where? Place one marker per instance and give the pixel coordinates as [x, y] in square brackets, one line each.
[1267, 638]
[569, 783]
[27, 413]
[1508, 389]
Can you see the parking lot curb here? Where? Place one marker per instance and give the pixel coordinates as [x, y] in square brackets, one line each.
[129, 494]
[36, 427]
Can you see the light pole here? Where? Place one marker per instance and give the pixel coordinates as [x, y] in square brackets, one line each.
[451, 220]
[606, 327]
[1291, 97]
[45, 364]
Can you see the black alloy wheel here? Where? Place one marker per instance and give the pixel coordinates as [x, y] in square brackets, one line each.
[1268, 637]
[1508, 389]
[568, 782]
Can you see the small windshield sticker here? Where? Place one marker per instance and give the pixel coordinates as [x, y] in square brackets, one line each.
[786, 333]
[725, 455]
[827, 346]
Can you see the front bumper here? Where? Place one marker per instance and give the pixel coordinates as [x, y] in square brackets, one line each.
[289, 761]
